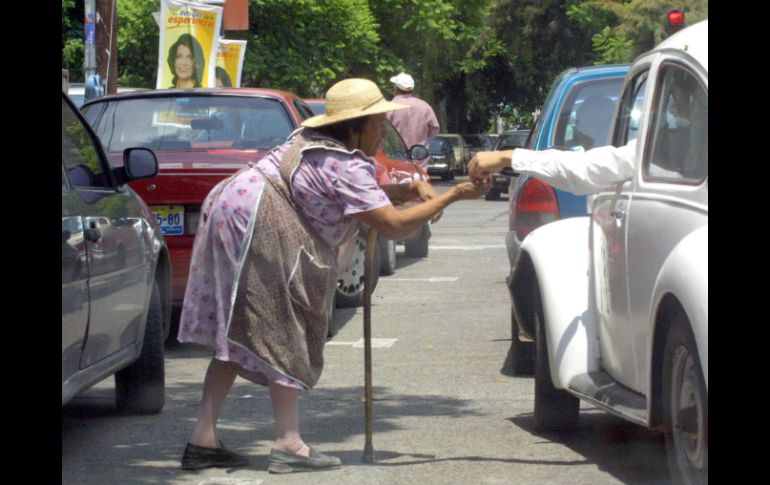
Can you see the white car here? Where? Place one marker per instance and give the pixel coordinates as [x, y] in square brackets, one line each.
[617, 302]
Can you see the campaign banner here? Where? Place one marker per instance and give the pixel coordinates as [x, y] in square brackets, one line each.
[189, 32]
[230, 55]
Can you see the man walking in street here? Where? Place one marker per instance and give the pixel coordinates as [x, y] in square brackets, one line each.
[417, 124]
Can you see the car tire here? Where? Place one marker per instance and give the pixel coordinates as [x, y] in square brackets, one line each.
[555, 409]
[418, 248]
[140, 387]
[350, 285]
[685, 406]
[387, 256]
[492, 195]
[523, 363]
[332, 323]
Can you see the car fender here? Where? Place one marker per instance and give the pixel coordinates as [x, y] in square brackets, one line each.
[560, 257]
[685, 274]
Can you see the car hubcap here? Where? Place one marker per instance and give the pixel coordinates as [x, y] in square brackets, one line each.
[351, 281]
[687, 419]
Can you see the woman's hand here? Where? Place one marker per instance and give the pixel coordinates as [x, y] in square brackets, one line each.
[472, 190]
[425, 190]
[485, 163]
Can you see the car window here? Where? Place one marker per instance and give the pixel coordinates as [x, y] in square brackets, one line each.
[190, 123]
[304, 110]
[79, 155]
[586, 115]
[631, 109]
[393, 146]
[679, 147]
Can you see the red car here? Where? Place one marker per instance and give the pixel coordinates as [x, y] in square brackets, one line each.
[199, 136]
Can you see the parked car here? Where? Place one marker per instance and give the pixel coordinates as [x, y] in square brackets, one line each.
[533, 203]
[477, 143]
[116, 274]
[511, 139]
[200, 137]
[501, 181]
[462, 151]
[77, 92]
[617, 302]
[442, 158]
[316, 105]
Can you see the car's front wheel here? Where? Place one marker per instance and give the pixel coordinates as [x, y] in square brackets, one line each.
[418, 248]
[387, 249]
[140, 387]
[685, 406]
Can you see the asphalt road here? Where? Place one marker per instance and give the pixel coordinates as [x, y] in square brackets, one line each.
[447, 410]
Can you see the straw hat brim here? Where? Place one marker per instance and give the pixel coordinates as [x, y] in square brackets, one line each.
[382, 106]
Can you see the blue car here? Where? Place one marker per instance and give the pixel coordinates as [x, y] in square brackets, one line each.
[577, 115]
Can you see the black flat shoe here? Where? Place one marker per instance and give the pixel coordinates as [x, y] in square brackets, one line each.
[282, 462]
[197, 457]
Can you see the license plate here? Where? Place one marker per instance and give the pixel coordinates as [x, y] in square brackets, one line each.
[170, 218]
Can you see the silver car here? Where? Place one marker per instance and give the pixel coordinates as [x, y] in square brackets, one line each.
[116, 276]
[617, 302]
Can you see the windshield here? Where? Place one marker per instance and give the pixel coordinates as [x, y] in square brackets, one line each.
[436, 145]
[190, 123]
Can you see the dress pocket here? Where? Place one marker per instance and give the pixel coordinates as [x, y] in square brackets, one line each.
[309, 283]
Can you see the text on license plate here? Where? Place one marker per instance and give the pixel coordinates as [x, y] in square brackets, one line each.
[170, 218]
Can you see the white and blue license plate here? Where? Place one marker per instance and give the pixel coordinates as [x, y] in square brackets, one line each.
[170, 218]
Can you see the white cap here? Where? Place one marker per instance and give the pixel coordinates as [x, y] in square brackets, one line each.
[403, 81]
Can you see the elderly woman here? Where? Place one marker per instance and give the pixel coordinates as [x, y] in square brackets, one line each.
[265, 261]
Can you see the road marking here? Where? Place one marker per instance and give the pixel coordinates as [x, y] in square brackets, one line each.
[465, 248]
[377, 343]
[230, 481]
[435, 279]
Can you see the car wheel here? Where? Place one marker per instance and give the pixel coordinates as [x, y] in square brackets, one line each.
[523, 352]
[555, 409]
[350, 284]
[418, 248]
[139, 388]
[685, 406]
[387, 257]
[332, 323]
[492, 195]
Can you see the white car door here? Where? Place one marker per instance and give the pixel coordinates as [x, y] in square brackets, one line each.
[609, 224]
[671, 193]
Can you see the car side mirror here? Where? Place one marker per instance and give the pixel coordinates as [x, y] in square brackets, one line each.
[138, 163]
[418, 152]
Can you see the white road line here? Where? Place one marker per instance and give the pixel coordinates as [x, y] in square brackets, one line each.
[434, 279]
[377, 343]
[465, 248]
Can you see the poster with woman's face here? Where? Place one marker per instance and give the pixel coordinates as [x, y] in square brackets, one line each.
[188, 44]
[230, 54]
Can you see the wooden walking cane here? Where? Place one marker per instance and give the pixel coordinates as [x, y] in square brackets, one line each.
[371, 246]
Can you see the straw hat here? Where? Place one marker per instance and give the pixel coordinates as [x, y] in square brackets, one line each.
[352, 98]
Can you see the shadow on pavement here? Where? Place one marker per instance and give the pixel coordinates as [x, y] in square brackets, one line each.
[603, 439]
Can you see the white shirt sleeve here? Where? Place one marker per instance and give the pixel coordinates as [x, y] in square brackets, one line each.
[581, 173]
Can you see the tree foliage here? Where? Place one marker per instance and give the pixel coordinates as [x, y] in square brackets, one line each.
[471, 59]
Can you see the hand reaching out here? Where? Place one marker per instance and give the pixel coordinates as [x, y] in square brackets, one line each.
[472, 190]
[483, 164]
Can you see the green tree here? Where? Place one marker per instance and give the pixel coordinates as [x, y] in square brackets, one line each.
[540, 40]
[72, 41]
[623, 29]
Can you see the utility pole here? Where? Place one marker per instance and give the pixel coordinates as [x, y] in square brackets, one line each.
[107, 43]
